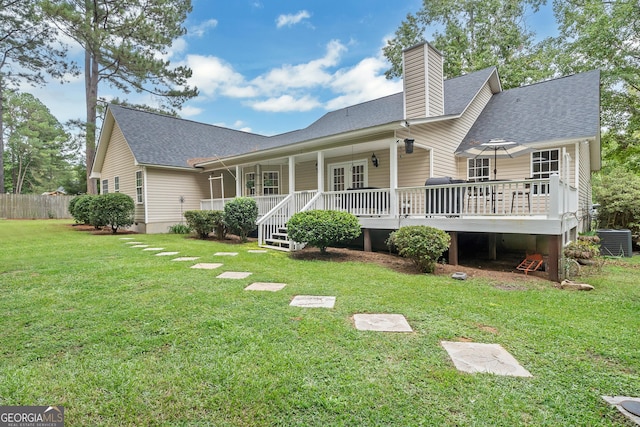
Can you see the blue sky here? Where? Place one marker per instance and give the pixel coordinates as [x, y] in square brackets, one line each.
[269, 66]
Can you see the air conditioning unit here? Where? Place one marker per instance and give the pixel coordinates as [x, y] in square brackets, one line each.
[615, 243]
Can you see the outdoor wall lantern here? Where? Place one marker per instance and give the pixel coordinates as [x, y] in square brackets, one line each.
[374, 160]
[408, 145]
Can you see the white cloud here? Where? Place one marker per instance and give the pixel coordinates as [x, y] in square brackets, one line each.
[286, 103]
[212, 75]
[363, 82]
[290, 20]
[311, 74]
[189, 111]
[200, 29]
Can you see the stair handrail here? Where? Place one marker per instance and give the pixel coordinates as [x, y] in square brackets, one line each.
[260, 223]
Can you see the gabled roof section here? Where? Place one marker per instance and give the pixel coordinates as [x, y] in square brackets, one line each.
[458, 94]
[460, 91]
[561, 109]
[157, 139]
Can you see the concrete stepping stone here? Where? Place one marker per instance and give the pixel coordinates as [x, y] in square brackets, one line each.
[475, 357]
[207, 266]
[167, 253]
[133, 243]
[186, 258]
[313, 301]
[225, 254]
[381, 322]
[139, 246]
[629, 406]
[262, 286]
[234, 275]
[257, 251]
[127, 238]
[153, 249]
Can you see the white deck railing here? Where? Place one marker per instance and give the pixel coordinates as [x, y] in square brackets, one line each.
[265, 203]
[532, 197]
[276, 219]
[504, 198]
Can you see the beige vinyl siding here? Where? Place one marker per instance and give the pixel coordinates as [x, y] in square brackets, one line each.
[164, 189]
[229, 185]
[435, 83]
[445, 137]
[415, 83]
[306, 176]
[119, 161]
[413, 169]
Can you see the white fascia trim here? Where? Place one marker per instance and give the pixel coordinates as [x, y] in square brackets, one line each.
[176, 168]
[299, 147]
[555, 143]
[425, 120]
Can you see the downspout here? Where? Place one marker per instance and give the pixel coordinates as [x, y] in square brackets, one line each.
[146, 202]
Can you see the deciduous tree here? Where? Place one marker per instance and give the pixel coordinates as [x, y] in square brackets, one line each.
[473, 35]
[36, 144]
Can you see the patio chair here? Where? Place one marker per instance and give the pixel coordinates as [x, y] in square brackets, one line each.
[531, 263]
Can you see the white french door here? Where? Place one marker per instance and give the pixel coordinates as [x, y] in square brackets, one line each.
[348, 175]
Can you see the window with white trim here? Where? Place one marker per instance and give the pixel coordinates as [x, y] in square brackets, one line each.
[478, 170]
[105, 186]
[544, 163]
[139, 198]
[250, 184]
[270, 182]
[116, 184]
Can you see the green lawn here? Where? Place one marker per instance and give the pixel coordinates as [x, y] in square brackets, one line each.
[119, 336]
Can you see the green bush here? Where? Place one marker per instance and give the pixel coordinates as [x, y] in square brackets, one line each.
[72, 205]
[112, 209]
[80, 208]
[618, 193]
[203, 222]
[240, 215]
[179, 229]
[421, 244]
[322, 229]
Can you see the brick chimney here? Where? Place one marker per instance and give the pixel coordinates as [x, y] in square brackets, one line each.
[423, 82]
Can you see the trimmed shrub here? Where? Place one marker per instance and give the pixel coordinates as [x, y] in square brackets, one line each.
[321, 229]
[80, 208]
[421, 244]
[112, 209]
[203, 222]
[240, 215]
[71, 206]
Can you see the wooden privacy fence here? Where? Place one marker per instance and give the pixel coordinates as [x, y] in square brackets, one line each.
[34, 206]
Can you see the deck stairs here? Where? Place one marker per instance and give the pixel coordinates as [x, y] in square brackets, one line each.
[280, 241]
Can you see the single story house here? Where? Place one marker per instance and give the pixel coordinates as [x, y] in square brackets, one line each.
[405, 159]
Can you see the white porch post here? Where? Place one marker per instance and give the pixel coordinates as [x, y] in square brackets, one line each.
[393, 178]
[292, 174]
[238, 181]
[554, 196]
[320, 173]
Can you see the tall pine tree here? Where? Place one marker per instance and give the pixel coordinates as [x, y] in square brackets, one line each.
[26, 53]
[124, 42]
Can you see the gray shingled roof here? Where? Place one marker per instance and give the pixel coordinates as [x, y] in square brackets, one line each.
[459, 91]
[563, 108]
[168, 141]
